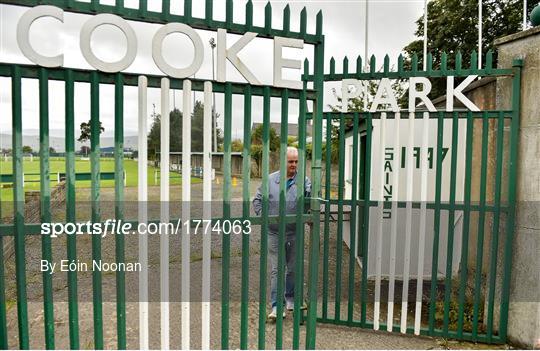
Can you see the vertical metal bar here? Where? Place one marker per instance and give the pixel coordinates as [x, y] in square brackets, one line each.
[354, 193]
[480, 19]
[303, 21]
[466, 221]
[327, 209]
[143, 8]
[365, 231]
[300, 225]
[339, 239]
[164, 215]
[186, 211]
[249, 16]
[316, 176]
[187, 11]
[481, 225]
[286, 19]
[422, 229]
[264, 215]
[207, 214]
[451, 213]
[229, 13]
[142, 196]
[425, 33]
[3, 317]
[166, 9]
[394, 225]
[94, 5]
[282, 213]
[408, 225]
[70, 209]
[436, 223]
[268, 18]
[208, 12]
[380, 199]
[95, 130]
[18, 206]
[45, 202]
[119, 4]
[458, 62]
[226, 248]
[495, 231]
[119, 208]
[246, 171]
[512, 174]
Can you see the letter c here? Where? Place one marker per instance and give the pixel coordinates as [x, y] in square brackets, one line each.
[23, 35]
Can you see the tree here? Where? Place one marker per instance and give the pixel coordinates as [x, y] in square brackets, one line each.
[257, 141]
[197, 128]
[257, 138]
[27, 149]
[85, 150]
[86, 131]
[52, 151]
[453, 27]
[175, 125]
[237, 145]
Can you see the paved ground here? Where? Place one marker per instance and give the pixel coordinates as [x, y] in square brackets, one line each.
[328, 336]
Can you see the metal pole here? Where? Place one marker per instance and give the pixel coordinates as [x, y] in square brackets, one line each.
[425, 33]
[214, 119]
[524, 14]
[479, 34]
[366, 59]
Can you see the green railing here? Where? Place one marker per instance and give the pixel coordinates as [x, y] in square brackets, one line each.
[20, 229]
[492, 134]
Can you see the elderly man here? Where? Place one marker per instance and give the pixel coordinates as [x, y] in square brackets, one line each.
[290, 229]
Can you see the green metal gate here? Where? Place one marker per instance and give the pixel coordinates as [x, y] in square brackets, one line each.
[492, 213]
[468, 278]
[20, 229]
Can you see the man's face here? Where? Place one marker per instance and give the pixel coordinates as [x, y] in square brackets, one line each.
[292, 163]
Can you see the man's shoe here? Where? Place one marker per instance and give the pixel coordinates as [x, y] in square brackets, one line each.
[273, 315]
[289, 305]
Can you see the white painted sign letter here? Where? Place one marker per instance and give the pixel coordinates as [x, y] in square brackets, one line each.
[422, 94]
[231, 54]
[280, 62]
[452, 93]
[347, 94]
[389, 99]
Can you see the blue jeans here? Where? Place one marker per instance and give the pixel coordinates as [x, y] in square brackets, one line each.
[273, 244]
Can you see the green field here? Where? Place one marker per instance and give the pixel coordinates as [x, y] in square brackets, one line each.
[58, 165]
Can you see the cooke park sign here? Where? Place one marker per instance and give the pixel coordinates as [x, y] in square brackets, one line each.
[413, 202]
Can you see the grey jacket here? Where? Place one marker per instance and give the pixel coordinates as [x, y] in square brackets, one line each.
[273, 201]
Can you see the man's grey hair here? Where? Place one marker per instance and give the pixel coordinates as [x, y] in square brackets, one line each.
[292, 149]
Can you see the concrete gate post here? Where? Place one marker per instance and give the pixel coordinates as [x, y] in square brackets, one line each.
[524, 307]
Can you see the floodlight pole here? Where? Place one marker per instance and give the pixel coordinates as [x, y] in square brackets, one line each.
[524, 14]
[479, 34]
[425, 33]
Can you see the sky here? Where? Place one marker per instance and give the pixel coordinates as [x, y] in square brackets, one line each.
[391, 27]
